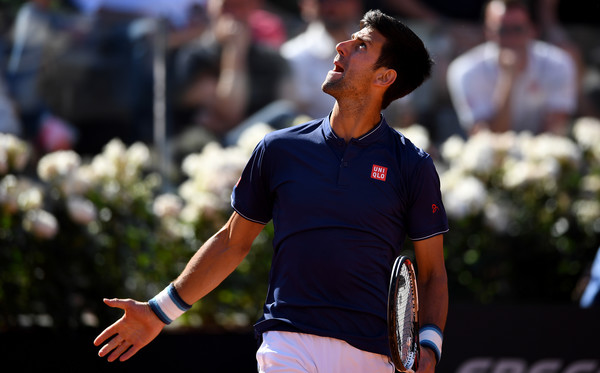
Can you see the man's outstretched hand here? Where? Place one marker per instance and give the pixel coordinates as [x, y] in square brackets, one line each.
[138, 327]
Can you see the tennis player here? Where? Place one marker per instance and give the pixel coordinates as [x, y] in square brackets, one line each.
[343, 193]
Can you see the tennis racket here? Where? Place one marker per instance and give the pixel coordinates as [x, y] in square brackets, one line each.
[403, 319]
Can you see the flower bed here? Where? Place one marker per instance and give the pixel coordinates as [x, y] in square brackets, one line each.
[524, 214]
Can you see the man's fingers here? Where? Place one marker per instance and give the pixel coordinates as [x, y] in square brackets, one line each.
[116, 303]
[111, 345]
[111, 330]
[107, 333]
[123, 347]
[135, 329]
[129, 353]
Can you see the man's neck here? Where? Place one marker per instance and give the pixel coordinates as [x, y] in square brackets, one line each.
[351, 123]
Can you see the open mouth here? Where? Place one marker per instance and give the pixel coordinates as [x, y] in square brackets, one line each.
[337, 68]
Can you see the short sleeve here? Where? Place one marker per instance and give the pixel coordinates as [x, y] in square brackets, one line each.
[426, 215]
[251, 197]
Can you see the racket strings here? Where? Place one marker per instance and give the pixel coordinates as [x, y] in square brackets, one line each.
[405, 317]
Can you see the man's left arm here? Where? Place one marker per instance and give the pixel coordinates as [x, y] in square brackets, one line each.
[432, 283]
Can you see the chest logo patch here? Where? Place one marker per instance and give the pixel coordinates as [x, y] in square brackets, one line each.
[379, 172]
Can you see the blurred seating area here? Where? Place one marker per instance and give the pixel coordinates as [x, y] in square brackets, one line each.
[77, 73]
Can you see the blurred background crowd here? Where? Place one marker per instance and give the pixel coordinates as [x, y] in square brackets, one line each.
[77, 73]
[511, 115]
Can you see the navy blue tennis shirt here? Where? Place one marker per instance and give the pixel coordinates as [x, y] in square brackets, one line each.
[341, 212]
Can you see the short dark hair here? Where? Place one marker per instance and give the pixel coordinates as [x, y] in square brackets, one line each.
[402, 51]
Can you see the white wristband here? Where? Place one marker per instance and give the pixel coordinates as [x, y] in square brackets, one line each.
[168, 305]
[431, 336]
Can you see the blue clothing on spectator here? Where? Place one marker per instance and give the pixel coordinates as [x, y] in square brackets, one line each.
[591, 295]
[341, 212]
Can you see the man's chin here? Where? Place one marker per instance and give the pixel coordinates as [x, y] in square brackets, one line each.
[329, 87]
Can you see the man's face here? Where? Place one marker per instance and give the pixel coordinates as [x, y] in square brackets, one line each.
[509, 27]
[353, 72]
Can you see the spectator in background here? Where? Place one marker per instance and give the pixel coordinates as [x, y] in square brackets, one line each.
[513, 82]
[9, 121]
[573, 25]
[31, 31]
[448, 29]
[310, 53]
[179, 13]
[457, 19]
[591, 294]
[186, 18]
[226, 75]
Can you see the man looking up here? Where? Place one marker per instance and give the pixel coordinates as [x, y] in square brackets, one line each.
[343, 191]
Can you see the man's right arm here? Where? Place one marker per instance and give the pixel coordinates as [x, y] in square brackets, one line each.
[210, 265]
[217, 258]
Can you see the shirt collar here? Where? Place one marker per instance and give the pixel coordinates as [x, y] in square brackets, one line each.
[368, 138]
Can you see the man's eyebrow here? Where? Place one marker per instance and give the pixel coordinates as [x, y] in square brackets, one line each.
[362, 38]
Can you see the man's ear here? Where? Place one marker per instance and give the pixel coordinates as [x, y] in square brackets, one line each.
[385, 77]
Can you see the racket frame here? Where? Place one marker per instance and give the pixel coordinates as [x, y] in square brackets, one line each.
[391, 317]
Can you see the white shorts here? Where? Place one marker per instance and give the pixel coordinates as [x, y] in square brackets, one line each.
[297, 352]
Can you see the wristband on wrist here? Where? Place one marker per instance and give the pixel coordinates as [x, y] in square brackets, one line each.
[431, 336]
[168, 305]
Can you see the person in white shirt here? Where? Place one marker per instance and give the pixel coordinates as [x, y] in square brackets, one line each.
[513, 81]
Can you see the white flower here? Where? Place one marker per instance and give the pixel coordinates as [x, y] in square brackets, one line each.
[188, 190]
[115, 150]
[119, 163]
[138, 155]
[478, 155]
[81, 210]
[467, 197]
[452, 148]
[215, 171]
[450, 178]
[111, 190]
[591, 183]
[418, 135]
[560, 227]
[190, 213]
[252, 136]
[586, 131]
[103, 167]
[79, 181]
[517, 173]
[543, 173]
[15, 150]
[30, 198]
[204, 205]
[4, 166]
[546, 146]
[9, 193]
[19, 194]
[506, 142]
[137, 158]
[587, 211]
[58, 164]
[40, 223]
[498, 215]
[167, 205]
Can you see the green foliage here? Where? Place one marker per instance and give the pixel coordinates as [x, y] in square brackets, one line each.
[524, 214]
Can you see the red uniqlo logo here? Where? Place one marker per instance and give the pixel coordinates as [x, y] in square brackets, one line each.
[378, 172]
